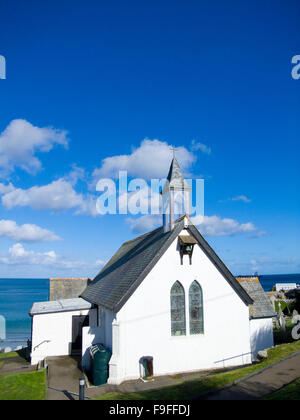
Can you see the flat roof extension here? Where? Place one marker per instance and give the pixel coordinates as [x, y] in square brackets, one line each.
[65, 305]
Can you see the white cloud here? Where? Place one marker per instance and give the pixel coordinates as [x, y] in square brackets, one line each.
[266, 263]
[258, 234]
[200, 146]
[18, 255]
[241, 198]
[150, 160]
[144, 223]
[21, 260]
[215, 226]
[20, 141]
[142, 201]
[57, 196]
[4, 189]
[208, 225]
[238, 198]
[75, 175]
[26, 232]
[99, 263]
[88, 206]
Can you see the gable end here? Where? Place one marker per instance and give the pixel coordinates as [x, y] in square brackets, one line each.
[221, 267]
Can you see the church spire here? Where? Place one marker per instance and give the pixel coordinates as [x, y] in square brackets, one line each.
[175, 179]
[176, 191]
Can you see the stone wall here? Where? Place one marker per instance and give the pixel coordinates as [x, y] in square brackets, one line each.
[67, 288]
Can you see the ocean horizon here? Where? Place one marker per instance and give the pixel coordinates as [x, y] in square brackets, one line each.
[17, 296]
[16, 299]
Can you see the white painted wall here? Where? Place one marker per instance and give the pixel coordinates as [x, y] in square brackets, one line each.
[90, 336]
[261, 335]
[106, 320]
[97, 335]
[52, 333]
[143, 325]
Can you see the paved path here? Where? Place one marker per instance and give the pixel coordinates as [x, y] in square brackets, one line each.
[15, 364]
[63, 378]
[262, 384]
[64, 374]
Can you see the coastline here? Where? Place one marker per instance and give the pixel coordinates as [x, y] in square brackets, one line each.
[18, 295]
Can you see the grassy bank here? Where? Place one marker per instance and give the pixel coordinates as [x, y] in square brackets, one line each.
[8, 355]
[190, 389]
[23, 386]
[20, 353]
[290, 392]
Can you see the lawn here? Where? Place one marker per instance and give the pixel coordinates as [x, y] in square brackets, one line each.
[23, 386]
[21, 353]
[190, 389]
[290, 392]
[8, 355]
[283, 305]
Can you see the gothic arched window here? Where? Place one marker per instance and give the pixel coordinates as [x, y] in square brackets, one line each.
[196, 309]
[178, 324]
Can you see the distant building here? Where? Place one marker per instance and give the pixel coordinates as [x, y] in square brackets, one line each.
[165, 294]
[285, 286]
[261, 313]
[62, 288]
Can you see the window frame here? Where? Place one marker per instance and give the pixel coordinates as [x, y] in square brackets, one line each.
[199, 306]
[182, 310]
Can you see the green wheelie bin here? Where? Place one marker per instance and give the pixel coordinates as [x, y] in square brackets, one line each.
[100, 356]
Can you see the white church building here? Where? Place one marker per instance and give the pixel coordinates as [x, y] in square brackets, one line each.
[165, 295]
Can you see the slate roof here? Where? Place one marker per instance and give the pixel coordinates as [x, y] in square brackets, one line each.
[175, 179]
[261, 307]
[128, 267]
[122, 275]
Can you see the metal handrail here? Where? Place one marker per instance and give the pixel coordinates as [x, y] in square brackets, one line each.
[45, 341]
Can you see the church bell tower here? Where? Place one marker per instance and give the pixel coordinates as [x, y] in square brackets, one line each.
[176, 196]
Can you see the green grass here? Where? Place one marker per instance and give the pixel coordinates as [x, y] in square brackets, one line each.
[283, 306]
[290, 392]
[8, 355]
[24, 386]
[193, 388]
[20, 353]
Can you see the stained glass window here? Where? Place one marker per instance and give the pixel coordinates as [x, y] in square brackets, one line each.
[178, 323]
[196, 309]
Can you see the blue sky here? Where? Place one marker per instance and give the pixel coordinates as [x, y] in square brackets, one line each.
[88, 81]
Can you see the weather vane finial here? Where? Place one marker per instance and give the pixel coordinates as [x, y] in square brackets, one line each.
[174, 150]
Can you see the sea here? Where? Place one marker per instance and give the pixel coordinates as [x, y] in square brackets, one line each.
[18, 295]
[16, 299]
